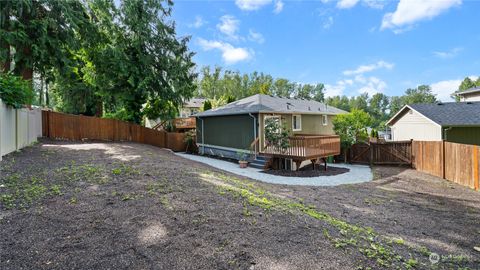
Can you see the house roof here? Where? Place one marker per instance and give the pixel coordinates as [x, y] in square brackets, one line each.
[445, 114]
[269, 104]
[469, 91]
[194, 103]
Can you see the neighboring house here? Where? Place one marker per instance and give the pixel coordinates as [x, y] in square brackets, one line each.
[191, 107]
[451, 121]
[232, 128]
[188, 109]
[472, 94]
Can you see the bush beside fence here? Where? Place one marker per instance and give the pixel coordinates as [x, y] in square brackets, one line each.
[18, 128]
[78, 127]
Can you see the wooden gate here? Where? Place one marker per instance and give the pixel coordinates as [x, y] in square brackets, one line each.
[387, 153]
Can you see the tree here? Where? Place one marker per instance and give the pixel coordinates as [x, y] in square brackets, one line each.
[378, 107]
[351, 127]
[341, 102]
[283, 88]
[420, 94]
[207, 105]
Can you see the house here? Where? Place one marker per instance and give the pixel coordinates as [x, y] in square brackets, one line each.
[185, 120]
[451, 121]
[238, 127]
[191, 107]
[472, 94]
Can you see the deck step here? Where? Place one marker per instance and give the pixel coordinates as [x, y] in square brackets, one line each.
[259, 162]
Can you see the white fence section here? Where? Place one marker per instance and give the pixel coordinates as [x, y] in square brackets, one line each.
[18, 128]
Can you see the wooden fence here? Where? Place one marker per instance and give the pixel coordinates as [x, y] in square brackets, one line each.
[79, 127]
[382, 153]
[455, 162]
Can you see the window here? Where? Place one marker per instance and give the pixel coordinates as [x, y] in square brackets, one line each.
[296, 122]
[324, 120]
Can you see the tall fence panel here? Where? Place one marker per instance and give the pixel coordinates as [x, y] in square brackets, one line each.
[455, 162]
[18, 128]
[385, 153]
[428, 157]
[78, 127]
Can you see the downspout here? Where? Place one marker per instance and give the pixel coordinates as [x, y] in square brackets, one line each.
[445, 133]
[254, 131]
[203, 142]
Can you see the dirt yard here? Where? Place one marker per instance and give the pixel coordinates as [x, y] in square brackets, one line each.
[67, 205]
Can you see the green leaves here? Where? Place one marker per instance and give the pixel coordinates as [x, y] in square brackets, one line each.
[14, 91]
[352, 127]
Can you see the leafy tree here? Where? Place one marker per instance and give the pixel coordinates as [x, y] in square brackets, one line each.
[283, 88]
[276, 134]
[207, 105]
[421, 94]
[351, 127]
[14, 91]
[341, 102]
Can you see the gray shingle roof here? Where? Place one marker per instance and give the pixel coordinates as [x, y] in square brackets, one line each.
[451, 113]
[268, 104]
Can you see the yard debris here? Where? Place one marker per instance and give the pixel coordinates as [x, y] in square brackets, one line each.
[477, 248]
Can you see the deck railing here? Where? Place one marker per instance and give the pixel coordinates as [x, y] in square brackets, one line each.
[306, 146]
[183, 123]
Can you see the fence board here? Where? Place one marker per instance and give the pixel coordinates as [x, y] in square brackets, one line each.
[78, 127]
[428, 157]
[382, 153]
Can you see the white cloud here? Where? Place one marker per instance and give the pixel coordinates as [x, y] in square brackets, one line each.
[278, 7]
[367, 68]
[334, 90]
[409, 12]
[443, 89]
[255, 36]
[199, 22]
[230, 54]
[345, 4]
[229, 26]
[448, 54]
[376, 4]
[252, 4]
[328, 23]
[372, 85]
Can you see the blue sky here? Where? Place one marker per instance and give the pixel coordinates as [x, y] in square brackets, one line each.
[352, 46]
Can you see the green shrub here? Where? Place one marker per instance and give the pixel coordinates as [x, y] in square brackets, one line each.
[14, 91]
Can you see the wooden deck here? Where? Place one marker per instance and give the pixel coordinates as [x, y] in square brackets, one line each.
[184, 123]
[306, 147]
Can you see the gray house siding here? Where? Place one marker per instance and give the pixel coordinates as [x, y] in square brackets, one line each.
[228, 131]
[466, 135]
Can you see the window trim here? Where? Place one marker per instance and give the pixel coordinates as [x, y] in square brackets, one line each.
[300, 122]
[325, 120]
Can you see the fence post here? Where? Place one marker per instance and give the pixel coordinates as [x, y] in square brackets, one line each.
[371, 153]
[475, 167]
[443, 159]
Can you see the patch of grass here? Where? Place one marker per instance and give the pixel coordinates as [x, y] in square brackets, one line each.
[165, 202]
[158, 188]
[85, 172]
[382, 250]
[73, 200]
[373, 201]
[124, 169]
[56, 190]
[19, 192]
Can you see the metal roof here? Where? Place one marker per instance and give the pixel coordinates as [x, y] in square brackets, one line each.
[446, 114]
[269, 104]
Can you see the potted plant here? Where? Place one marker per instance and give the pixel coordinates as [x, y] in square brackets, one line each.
[242, 159]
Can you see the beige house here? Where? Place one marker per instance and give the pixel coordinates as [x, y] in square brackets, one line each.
[191, 107]
[472, 94]
[451, 121]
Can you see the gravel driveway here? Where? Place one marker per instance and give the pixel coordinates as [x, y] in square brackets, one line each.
[71, 205]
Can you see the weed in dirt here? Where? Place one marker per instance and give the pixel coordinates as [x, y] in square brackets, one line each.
[373, 201]
[22, 192]
[157, 188]
[165, 202]
[56, 190]
[382, 250]
[124, 169]
[73, 200]
[86, 172]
